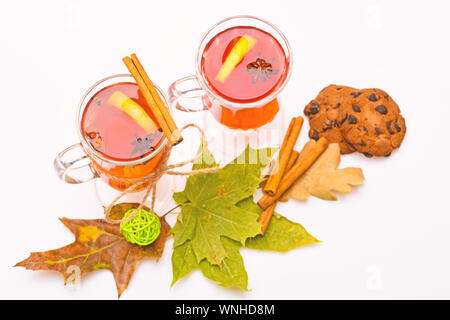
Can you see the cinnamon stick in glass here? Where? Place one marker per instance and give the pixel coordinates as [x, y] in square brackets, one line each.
[283, 158]
[153, 99]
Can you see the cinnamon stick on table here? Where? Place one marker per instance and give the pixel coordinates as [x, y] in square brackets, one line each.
[153, 99]
[286, 159]
[283, 158]
[305, 161]
[266, 215]
[293, 157]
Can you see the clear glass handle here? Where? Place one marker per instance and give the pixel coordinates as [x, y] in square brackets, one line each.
[186, 95]
[72, 165]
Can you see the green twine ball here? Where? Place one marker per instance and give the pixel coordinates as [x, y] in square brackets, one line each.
[142, 229]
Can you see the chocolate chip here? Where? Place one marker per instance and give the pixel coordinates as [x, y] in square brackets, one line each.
[381, 109]
[355, 94]
[397, 127]
[363, 144]
[314, 108]
[377, 130]
[356, 108]
[352, 119]
[336, 124]
[338, 88]
[387, 154]
[315, 135]
[343, 120]
[373, 97]
[388, 126]
[337, 106]
[328, 125]
[351, 146]
[364, 129]
[367, 154]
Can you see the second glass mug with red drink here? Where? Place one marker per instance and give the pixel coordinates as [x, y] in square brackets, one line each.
[242, 64]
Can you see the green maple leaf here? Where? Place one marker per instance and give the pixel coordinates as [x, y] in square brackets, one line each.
[208, 205]
[282, 235]
[231, 273]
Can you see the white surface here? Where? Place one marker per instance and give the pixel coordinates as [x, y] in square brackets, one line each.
[388, 239]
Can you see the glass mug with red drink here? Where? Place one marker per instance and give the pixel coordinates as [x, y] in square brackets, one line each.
[120, 141]
[242, 64]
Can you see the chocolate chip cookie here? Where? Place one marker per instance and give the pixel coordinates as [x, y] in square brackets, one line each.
[375, 126]
[366, 121]
[327, 113]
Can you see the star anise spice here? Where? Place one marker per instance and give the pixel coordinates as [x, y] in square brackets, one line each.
[261, 69]
[97, 101]
[96, 140]
[142, 145]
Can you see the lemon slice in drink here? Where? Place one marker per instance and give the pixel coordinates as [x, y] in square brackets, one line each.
[240, 49]
[134, 110]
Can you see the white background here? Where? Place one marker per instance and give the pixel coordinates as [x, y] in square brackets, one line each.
[387, 239]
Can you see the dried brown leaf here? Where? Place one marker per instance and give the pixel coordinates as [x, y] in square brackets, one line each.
[98, 245]
[323, 178]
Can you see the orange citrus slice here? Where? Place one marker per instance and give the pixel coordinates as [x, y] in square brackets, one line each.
[134, 110]
[240, 49]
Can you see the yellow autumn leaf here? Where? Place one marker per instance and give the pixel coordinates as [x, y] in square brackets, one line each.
[323, 178]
